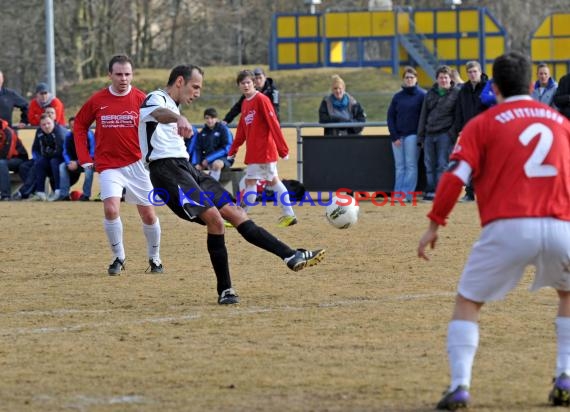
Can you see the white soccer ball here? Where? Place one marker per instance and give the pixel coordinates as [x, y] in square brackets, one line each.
[342, 213]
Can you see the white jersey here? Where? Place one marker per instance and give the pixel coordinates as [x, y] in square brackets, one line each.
[159, 140]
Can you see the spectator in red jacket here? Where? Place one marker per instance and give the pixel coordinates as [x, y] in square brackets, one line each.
[42, 100]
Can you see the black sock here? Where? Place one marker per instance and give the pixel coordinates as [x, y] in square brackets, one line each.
[261, 238]
[219, 257]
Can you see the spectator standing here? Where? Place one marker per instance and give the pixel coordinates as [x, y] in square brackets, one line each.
[403, 118]
[562, 95]
[204, 200]
[10, 99]
[259, 129]
[41, 101]
[118, 160]
[12, 155]
[523, 206]
[265, 85]
[69, 169]
[212, 145]
[435, 128]
[545, 87]
[340, 107]
[468, 106]
[47, 151]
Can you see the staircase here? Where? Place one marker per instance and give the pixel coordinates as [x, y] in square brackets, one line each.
[417, 50]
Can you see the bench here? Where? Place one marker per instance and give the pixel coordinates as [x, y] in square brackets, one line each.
[230, 179]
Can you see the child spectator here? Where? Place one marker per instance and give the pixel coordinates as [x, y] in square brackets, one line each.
[212, 145]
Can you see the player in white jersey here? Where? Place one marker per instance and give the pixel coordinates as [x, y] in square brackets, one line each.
[193, 195]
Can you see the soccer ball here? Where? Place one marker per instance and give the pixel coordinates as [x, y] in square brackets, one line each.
[342, 214]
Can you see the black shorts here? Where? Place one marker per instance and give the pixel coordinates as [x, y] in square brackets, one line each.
[187, 191]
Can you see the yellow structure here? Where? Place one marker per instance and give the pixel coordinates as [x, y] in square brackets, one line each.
[550, 44]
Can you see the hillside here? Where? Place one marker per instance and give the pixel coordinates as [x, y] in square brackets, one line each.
[301, 90]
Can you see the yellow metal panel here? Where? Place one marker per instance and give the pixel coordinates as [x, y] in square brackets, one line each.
[488, 69]
[308, 26]
[404, 22]
[383, 23]
[561, 48]
[403, 54]
[286, 53]
[494, 47]
[337, 52]
[336, 25]
[424, 80]
[469, 48]
[561, 24]
[429, 45]
[308, 52]
[447, 49]
[424, 22]
[560, 69]
[540, 49]
[286, 26]
[446, 22]
[490, 26]
[544, 29]
[359, 24]
[468, 21]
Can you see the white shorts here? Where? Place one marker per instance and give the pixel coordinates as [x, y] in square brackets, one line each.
[506, 247]
[261, 171]
[134, 178]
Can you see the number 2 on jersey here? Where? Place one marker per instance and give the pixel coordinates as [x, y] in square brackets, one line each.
[534, 166]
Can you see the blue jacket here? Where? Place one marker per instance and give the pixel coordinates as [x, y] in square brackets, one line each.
[211, 144]
[48, 145]
[404, 112]
[69, 152]
[191, 143]
[544, 94]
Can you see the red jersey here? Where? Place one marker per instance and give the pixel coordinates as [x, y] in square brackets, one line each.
[116, 131]
[519, 152]
[35, 111]
[259, 128]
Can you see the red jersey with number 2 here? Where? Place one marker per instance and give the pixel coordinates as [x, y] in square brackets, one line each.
[520, 155]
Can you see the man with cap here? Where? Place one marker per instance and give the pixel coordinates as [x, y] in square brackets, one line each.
[41, 101]
[265, 85]
[212, 145]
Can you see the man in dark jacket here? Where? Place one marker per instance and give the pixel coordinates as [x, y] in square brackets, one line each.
[468, 106]
[562, 96]
[435, 128]
[12, 155]
[10, 99]
[265, 85]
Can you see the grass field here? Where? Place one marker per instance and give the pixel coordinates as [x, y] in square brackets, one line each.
[363, 331]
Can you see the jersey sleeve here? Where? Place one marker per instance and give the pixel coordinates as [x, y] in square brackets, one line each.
[152, 102]
[83, 120]
[470, 144]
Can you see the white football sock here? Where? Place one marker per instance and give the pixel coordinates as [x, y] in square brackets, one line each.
[563, 340]
[114, 231]
[152, 234]
[250, 196]
[462, 343]
[283, 199]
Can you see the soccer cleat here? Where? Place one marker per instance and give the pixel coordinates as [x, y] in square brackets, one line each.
[116, 267]
[84, 198]
[228, 297]
[285, 221]
[303, 258]
[155, 266]
[17, 195]
[466, 199]
[560, 393]
[228, 224]
[453, 400]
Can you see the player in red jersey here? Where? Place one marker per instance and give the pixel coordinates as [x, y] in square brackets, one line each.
[115, 110]
[259, 127]
[518, 154]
